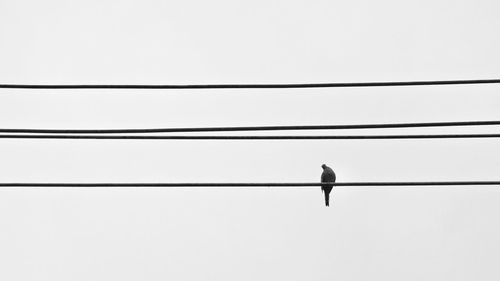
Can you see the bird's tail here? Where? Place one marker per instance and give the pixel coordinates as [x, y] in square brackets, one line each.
[327, 198]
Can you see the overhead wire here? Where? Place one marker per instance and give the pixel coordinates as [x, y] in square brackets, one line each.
[322, 137]
[83, 132]
[287, 184]
[251, 128]
[249, 86]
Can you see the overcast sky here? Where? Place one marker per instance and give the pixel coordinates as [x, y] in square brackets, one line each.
[446, 233]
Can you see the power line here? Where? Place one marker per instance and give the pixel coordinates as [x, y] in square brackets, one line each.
[252, 128]
[254, 86]
[289, 184]
[336, 137]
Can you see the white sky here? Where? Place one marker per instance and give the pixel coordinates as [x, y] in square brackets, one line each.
[248, 234]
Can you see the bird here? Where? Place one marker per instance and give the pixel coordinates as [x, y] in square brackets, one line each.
[327, 176]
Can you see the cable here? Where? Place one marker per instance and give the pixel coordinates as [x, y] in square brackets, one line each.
[255, 86]
[255, 128]
[337, 137]
[292, 184]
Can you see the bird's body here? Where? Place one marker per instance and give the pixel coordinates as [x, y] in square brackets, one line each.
[327, 176]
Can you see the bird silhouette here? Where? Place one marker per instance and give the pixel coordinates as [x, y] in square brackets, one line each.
[327, 176]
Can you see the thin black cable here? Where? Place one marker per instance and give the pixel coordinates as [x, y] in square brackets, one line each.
[337, 137]
[252, 128]
[255, 86]
[292, 184]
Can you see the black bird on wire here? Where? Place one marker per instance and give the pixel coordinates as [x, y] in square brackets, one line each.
[327, 176]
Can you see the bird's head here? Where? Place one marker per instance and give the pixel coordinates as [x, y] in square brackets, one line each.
[324, 166]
